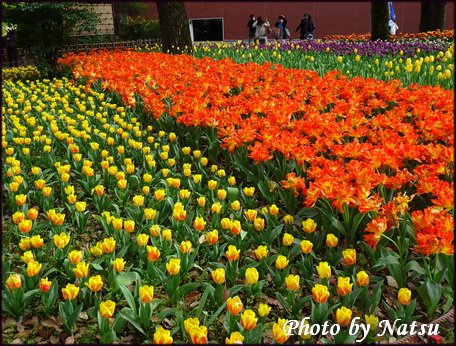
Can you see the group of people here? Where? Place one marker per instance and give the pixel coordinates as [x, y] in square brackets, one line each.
[259, 28]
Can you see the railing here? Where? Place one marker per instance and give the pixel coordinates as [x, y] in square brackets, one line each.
[24, 56]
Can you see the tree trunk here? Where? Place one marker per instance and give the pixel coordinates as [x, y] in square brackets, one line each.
[174, 28]
[433, 15]
[379, 21]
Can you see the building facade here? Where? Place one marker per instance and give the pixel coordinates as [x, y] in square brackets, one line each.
[227, 20]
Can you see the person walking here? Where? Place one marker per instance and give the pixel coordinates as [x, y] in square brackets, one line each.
[303, 27]
[393, 27]
[261, 29]
[251, 28]
[281, 25]
[310, 27]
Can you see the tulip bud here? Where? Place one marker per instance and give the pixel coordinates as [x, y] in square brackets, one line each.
[251, 275]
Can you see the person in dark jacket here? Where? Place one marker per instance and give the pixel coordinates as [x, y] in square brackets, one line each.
[303, 27]
[252, 30]
[281, 24]
[310, 27]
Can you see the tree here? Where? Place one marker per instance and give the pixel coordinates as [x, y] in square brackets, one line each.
[433, 15]
[379, 21]
[44, 28]
[174, 28]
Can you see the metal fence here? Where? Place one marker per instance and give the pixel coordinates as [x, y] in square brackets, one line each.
[25, 58]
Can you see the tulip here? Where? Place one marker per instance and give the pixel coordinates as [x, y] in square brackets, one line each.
[40, 184]
[99, 190]
[180, 214]
[18, 217]
[118, 264]
[362, 278]
[273, 210]
[235, 205]
[212, 237]
[372, 321]
[306, 246]
[129, 226]
[292, 282]
[197, 178]
[234, 305]
[198, 335]
[287, 239]
[25, 243]
[95, 283]
[216, 208]
[320, 293]
[117, 223]
[281, 262]
[150, 213]
[21, 199]
[279, 335]
[331, 240]
[166, 234]
[47, 191]
[108, 245]
[184, 193]
[146, 293]
[81, 270]
[185, 246]
[212, 184]
[138, 200]
[235, 338]
[218, 275]
[261, 251]
[71, 199]
[107, 308]
[32, 213]
[404, 296]
[173, 266]
[162, 337]
[309, 226]
[25, 226]
[324, 270]
[248, 319]
[249, 191]
[250, 214]
[14, 282]
[263, 309]
[233, 253]
[44, 285]
[344, 286]
[80, 206]
[258, 224]
[58, 218]
[199, 223]
[221, 194]
[75, 256]
[122, 183]
[191, 323]
[226, 223]
[70, 292]
[61, 240]
[235, 227]
[28, 257]
[349, 256]
[201, 201]
[155, 230]
[343, 316]
[251, 275]
[232, 181]
[288, 219]
[153, 253]
[142, 239]
[96, 250]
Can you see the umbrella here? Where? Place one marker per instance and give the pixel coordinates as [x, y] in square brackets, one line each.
[391, 11]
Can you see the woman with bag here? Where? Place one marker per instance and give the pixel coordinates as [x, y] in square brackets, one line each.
[281, 25]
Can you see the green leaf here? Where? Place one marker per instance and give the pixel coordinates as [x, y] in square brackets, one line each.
[125, 279]
[131, 317]
[430, 292]
[203, 299]
[129, 297]
[214, 316]
[186, 289]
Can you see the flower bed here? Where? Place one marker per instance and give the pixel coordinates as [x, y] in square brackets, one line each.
[170, 227]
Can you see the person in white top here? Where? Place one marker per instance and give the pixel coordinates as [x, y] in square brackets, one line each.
[261, 29]
[393, 27]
